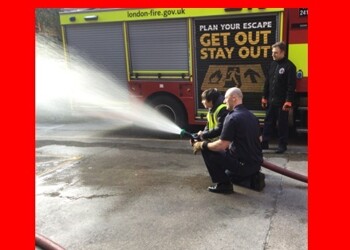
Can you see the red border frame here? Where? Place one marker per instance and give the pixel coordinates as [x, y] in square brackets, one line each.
[328, 175]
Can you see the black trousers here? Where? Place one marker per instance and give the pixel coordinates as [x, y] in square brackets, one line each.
[218, 162]
[276, 114]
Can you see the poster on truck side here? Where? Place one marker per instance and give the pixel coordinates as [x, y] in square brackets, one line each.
[234, 52]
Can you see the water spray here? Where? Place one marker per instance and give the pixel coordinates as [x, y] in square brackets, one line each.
[81, 90]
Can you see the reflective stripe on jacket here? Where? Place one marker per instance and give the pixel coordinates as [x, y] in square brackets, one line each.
[213, 119]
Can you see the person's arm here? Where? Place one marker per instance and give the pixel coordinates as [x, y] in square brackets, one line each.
[223, 143]
[266, 89]
[216, 131]
[292, 79]
[205, 131]
[291, 84]
[219, 145]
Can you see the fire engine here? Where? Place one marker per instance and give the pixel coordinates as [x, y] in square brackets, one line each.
[166, 57]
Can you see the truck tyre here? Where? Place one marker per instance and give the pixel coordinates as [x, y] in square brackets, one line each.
[171, 109]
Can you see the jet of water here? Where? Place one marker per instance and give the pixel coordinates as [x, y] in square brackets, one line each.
[72, 86]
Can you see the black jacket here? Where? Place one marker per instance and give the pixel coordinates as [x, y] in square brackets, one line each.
[280, 82]
[242, 129]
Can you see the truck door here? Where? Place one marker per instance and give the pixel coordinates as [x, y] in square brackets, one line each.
[102, 44]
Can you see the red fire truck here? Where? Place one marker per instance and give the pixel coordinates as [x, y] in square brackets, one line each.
[167, 56]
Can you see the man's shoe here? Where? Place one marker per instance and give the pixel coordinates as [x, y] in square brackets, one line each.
[222, 188]
[280, 150]
[258, 181]
[244, 182]
[264, 145]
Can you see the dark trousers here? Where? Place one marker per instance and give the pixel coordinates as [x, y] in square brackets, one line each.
[273, 114]
[218, 162]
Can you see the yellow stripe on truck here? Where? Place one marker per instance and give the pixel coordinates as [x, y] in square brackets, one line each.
[298, 54]
[119, 15]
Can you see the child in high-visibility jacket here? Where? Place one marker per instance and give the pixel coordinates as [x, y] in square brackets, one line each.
[212, 100]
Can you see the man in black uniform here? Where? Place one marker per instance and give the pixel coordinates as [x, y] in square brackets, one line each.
[278, 96]
[237, 155]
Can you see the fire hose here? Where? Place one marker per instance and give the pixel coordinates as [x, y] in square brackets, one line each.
[284, 171]
[46, 244]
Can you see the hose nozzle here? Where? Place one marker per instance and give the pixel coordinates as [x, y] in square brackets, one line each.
[193, 136]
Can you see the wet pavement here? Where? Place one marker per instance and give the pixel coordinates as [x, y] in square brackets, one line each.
[101, 187]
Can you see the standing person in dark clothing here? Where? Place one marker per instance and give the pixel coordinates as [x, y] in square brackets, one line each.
[237, 155]
[278, 96]
[213, 101]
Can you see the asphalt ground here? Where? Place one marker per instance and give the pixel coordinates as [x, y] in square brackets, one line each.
[102, 187]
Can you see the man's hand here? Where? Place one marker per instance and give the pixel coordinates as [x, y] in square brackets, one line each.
[263, 103]
[197, 146]
[287, 106]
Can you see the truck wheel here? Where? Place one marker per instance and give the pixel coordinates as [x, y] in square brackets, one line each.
[171, 109]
